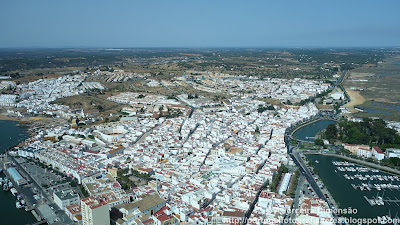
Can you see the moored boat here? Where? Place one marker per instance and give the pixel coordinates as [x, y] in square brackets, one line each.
[18, 205]
[14, 191]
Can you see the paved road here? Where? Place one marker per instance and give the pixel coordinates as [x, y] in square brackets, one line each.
[306, 173]
[47, 197]
[340, 78]
[296, 200]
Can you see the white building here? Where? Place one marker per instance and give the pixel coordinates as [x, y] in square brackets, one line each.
[364, 152]
[95, 212]
[65, 198]
[27, 152]
[393, 153]
[378, 153]
[7, 100]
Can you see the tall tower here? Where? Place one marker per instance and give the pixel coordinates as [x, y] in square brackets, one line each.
[95, 211]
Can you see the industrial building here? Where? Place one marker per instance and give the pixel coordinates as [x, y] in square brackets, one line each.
[16, 176]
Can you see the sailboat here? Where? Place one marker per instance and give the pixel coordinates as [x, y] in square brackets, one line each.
[379, 199]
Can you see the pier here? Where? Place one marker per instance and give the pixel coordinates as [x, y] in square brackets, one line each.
[39, 222]
[378, 187]
[378, 201]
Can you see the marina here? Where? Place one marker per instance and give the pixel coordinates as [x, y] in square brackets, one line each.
[379, 200]
[369, 180]
[7, 185]
[372, 192]
[12, 203]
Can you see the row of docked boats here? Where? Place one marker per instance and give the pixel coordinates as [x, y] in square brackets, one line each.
[7, 185]
[368, 187]
[371, 177]
[356, 169]
[342, 163]
[378, 201]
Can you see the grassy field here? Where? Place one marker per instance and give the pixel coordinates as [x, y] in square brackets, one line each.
[91, 104]
[47, 73]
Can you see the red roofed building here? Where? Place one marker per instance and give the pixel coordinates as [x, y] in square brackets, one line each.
[74, 212]
[164, 216]
[364, 152]
[354, 148]
[378, 153]
[95, 211]
[147, 171]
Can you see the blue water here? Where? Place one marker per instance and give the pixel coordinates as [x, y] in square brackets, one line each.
[312, 130]
[382, 108]
[386, 106]
[10, 135]
[384, 74]
[347, 196]
[376, 111]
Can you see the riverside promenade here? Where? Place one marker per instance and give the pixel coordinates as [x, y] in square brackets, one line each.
[358, 161]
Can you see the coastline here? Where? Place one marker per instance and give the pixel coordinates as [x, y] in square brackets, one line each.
[12, 133]
[30, 122]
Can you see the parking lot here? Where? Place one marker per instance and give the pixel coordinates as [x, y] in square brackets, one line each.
[45, 177]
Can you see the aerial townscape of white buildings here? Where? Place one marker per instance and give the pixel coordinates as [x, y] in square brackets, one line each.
[209, 165]
[36, 97]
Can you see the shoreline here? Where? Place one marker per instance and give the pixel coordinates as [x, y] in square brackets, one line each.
[9, 201]
[29, 122]
[327, 181]
[32, 210]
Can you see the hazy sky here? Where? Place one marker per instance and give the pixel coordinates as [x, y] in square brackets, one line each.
[199, 23]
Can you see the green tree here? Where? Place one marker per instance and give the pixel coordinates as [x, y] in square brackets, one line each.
[331, 132]
[319, 142]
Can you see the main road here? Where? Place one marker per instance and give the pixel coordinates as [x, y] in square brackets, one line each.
[291, 150]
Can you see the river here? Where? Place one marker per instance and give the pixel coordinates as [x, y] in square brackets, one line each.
[311, 130]
[10, 135]
[347, 196]
[341, 185]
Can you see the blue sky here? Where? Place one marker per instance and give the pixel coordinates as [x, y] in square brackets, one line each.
[200, 23]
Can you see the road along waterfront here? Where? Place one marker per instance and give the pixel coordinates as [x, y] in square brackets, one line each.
[10, 135]
[372, 193]
[298, 160]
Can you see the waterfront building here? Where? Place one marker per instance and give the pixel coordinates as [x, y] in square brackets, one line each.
[353, 148]
[16, 176]
[27, 151]
[378, 153]
[364, 152]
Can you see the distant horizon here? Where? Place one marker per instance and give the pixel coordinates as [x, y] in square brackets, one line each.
[203, 47]
[199, 24]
